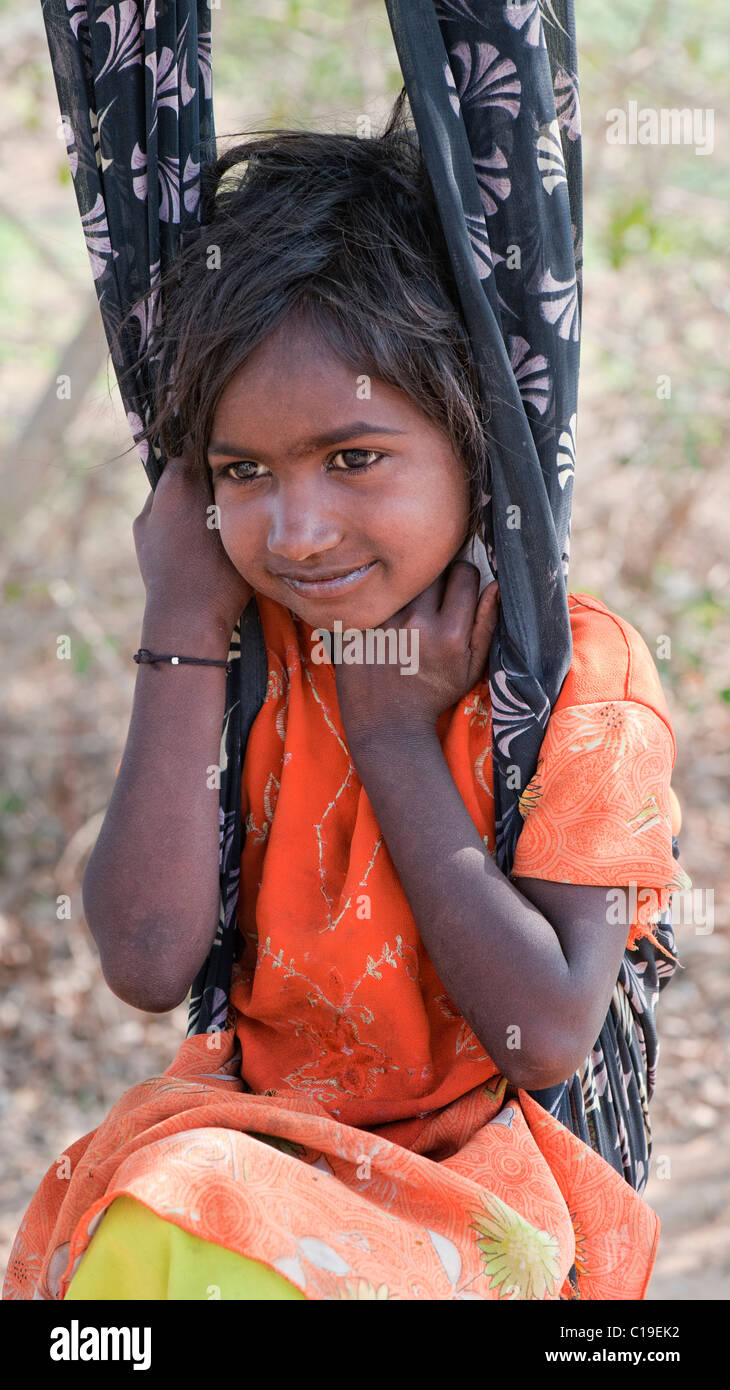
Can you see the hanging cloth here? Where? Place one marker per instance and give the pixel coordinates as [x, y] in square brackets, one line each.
[494, 93]
[134, 84]
[493, 87]
[134, 87]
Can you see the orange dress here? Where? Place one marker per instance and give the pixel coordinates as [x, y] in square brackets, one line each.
[347, 1128]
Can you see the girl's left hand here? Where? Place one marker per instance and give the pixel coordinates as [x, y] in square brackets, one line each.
[455, 630]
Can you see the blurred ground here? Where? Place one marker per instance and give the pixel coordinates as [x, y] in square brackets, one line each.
[651, 510]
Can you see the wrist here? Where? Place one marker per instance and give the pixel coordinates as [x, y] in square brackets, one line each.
[186, 634]
[389, 741]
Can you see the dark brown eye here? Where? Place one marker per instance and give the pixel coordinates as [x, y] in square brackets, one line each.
[245, 478]
[358, 467]
[371, 455]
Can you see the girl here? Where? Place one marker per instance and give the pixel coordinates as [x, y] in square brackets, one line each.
[366, 1125]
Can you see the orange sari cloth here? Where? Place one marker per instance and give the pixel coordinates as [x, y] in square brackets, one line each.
[347, 1128]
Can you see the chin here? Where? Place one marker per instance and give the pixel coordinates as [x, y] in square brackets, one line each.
[358, 611]
[358, 616]
[318, 615]
[353, 612]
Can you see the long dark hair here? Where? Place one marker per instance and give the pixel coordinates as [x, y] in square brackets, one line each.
[344, 230]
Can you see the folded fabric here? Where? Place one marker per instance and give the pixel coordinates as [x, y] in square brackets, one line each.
[509, 1204]
[135, 1255]
[347, 1128]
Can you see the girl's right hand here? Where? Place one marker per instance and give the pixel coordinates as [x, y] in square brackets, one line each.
[186, 572]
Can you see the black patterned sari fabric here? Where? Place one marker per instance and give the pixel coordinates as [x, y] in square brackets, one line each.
[493, 88]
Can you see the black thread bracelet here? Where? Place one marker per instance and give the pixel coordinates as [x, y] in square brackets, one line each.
[145, 655]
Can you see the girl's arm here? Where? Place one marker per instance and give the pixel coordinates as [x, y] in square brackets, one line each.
[505, 964]
[151, 887]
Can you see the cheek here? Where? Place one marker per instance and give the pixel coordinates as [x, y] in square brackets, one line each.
[438, 524]
[235, 527]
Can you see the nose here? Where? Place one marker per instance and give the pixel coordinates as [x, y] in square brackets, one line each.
[300, 530]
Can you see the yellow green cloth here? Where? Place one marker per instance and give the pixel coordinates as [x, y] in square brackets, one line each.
[135, 1254]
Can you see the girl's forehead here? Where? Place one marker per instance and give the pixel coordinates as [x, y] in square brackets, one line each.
[297, 339]
[311, 390]
[294, 386]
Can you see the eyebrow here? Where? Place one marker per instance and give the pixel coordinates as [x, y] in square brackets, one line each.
[308, 446]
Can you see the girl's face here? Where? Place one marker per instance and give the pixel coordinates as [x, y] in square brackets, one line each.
[291, 433]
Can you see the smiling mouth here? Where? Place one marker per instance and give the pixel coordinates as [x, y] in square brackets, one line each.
[322, 588]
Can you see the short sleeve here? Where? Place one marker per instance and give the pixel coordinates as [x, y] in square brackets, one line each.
[600, 809]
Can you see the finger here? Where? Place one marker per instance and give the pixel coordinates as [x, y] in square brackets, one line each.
[423, 605]
[183, 482]
[485, 623]
[145, 510]
[187, 453]
[487, 614]
[432, 597]
[177, 465]
[461, 594]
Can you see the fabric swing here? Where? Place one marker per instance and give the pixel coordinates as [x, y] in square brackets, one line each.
[494, 94]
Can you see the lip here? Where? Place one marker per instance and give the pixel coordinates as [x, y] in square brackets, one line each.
[323, 588]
